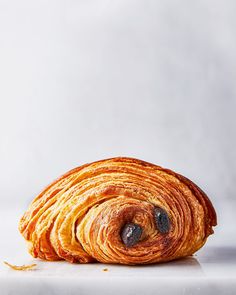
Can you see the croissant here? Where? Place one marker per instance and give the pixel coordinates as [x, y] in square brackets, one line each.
[119, 210]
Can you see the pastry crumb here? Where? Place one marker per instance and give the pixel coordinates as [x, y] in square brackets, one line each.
[105, 269]
[21, 267]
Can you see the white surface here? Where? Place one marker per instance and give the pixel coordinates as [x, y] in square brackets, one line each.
[211, 271]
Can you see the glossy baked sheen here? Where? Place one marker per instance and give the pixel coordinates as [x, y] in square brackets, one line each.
[79, 217]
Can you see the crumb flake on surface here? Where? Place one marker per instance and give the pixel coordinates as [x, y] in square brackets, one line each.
[20, 267]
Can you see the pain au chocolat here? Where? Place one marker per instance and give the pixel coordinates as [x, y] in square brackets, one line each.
[119, 210]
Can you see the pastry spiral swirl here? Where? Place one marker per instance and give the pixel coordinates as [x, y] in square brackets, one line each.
[119, 210]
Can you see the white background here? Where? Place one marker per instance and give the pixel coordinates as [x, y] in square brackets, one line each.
[86, 80]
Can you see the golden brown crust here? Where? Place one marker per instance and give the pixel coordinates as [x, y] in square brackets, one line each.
[80, 215]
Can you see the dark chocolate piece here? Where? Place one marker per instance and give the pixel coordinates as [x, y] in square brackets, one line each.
[162, 220]
[130, 234]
